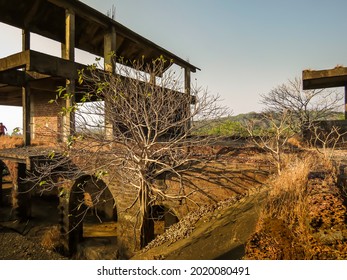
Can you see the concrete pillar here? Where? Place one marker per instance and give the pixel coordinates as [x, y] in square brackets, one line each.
[69, 117]
[187, 83]
[68, 47]
[110, 66]
[68, 52]
[110, 40]
[25, 40]
[187, 80]
[345, 102]
[70, 215]
[22, 194]
[26, 115]
[26, 94]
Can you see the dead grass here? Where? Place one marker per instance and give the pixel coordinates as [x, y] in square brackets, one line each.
[51, 239]
[304, 217]
[7, 142]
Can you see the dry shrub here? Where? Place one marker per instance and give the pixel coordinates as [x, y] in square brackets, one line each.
[304, 217]
[296, 141]
[51, 238]
[7, 142]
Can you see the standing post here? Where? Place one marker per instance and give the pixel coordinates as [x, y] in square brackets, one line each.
[187, 82]
[26, 115]
[26, 94]
[345, 102]
[110, 66]
[68, 52]
[25, 40]
[22, 194]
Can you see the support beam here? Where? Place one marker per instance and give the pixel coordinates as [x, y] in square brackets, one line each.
[25, 40]
[22, 194]
[110, 66]
[110, 50]
[69, 117]
[68, 53]
[187, 82]
[68, 48]
[26, 114]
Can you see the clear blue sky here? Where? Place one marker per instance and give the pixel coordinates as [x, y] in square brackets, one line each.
[244, 47]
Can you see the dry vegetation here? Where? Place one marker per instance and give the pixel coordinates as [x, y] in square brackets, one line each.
[304, 217]
[7, 142]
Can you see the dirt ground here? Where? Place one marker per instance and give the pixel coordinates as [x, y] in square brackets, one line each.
[212, 232]
[15, 246]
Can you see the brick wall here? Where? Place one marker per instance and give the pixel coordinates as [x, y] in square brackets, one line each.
[45, 122]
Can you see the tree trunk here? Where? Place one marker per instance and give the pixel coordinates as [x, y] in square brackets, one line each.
[145, 228]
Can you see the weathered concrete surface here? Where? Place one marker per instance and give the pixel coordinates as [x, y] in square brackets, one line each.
[314, 79]
[219, 235]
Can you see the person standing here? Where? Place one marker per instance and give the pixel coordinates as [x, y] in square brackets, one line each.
[2, 129]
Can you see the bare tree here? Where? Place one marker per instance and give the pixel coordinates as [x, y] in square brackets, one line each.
[134, 127]
[306, 106]
[271, 134]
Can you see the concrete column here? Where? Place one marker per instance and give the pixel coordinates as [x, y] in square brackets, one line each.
[70, 213]
[110, 66]
[26, 115]
[23, 194]
[68, 52]
[110, 40]
[187, 82]
[26, 94]
[71, 232]
[69, 117]
[68, 47]
[345, 102]
[25, 40]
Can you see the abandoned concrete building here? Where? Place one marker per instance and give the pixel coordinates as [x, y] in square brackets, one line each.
[30, 79]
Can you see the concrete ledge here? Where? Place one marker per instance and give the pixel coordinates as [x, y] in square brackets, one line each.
[41, 63]
[315, 79]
